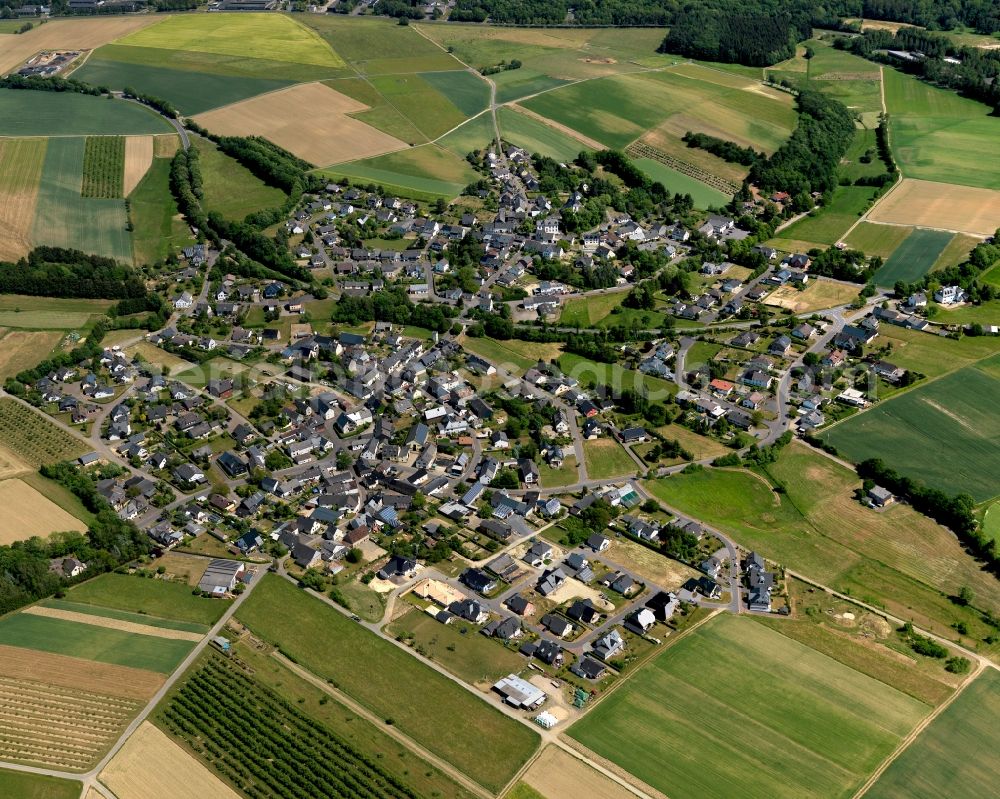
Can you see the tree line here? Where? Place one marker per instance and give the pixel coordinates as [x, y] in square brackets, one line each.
[726, 150]
[58, 272]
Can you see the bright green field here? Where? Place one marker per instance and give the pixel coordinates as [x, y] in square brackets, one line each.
[28, 113]
[159, 598]
[946, 433]
[737, 709]
[124, 615]
[704, 196]
[475, 134]
[828, 224]
[422, 103]
[405, 172]
[537, 137]
[469, 93]
[872, 239]
[588, 311]
[230, 188]
[381, 113]
[48, 313]
[21, 785]
[957, 755]
[157, 227]
[65, 219]
[87, 641]
[606, 458]
[592, 372]
[914, 257]
[991, 522]
[937, 135]
[390, 682]
[274, 36]
[190, 91]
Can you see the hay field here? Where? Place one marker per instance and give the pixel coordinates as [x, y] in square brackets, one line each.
[942, 206]
[556, 773]
[274, 36]
[310, 120]
[49, 313]
[20, 174]
[77, 674]
[817, 295]
[138, 160]
[62, 727]
[152, 766]
[113, 623]
[28, 513]
[737, 709]
[22, 350]
[57, 34]
[956, 755]
[875, 239]
[606, 458]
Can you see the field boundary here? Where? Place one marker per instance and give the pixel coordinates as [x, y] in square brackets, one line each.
[113, 624]
[916, 731]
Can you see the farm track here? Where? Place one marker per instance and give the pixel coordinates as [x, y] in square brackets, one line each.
[641, 150]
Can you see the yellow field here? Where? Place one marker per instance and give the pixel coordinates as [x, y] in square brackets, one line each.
[154, 355]
[67, 34]
[23, 349]
[28, 512]
[166, 145]
[112, 624]
[151, 766]
[556, 774]
[666, 573]
[818, 294]
[310, 120]
[11, 465]
[21, 163]
[51, 725]
[78, 674]
[942, 206]
[138, 159]
[188, 568]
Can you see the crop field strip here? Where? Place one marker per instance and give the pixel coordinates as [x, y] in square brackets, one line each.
[914, 257]
[56, 726]
[942, 206]
[639, 149]
[112, 623]
[28, 512]
[138, 158]
[21, 163]
[38, 113]
[817, 727]
[103, 167]
[143, 619]
[32, 437]
[58, 34]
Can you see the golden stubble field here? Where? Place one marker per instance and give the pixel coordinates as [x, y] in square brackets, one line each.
[68, 34]
[21, 163]
[152, 766]
[310, 120]
[138, 159]
[944, 206]
[28, 512]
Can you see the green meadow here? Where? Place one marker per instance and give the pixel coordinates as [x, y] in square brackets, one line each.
[31, 113]
[914, 257]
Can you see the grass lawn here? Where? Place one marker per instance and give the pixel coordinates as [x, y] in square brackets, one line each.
[361, 734]
[605, 457]
[896, 559]
[557, 478]
[362, 600]
[914, 258]
[957, 755]
[944, 433]
[274, 36]
[991, 522]
[49, 313]
[90, 642]
[162, 598]
[158, 226]
[65, 219]
[873, 239]
[458, 647]
[588, 311]
[391, 683]
[592, 373]
[818, 727]
[230, 188]
[704, 196]
[537, 137]
[154, 355]
[34, 113]
[21, 785]
[828, 224]
[513, 354]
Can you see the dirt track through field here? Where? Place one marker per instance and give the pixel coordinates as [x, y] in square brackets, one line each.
[113, 624]
[77, 674]
[310, 120]
[138, 159]
[941, 206]
[21, 163]
[151, 765]
[593, 144]
[68, 34]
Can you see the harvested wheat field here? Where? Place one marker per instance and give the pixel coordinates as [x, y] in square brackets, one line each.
[152, 766]
[310, 120]
[166, 145]
[52, 725]
[138, 160]
[11, 465]
[556, 773]
[113, 624]
[77, 674]
[21, 163]
[22, 349]
[68, 34]
[28, 512]
[941, 206]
